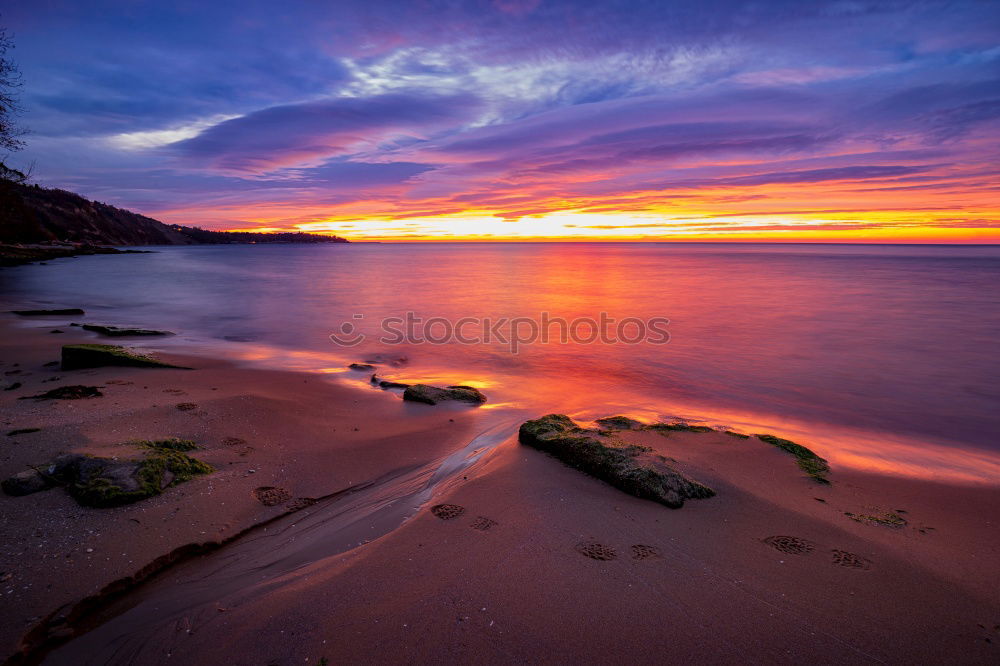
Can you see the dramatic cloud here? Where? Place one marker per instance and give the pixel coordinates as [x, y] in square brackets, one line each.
[289, 135]
[524, 118]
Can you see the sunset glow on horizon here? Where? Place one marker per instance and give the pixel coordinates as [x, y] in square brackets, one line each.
[517, 120]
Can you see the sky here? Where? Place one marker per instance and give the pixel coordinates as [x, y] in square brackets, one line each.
[846, 121]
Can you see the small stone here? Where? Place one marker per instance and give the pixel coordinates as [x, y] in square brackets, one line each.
[25, 483]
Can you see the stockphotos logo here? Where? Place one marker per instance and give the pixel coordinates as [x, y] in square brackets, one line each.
[513, 333]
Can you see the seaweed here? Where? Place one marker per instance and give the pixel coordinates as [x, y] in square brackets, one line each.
[815, 467]
[75, 357]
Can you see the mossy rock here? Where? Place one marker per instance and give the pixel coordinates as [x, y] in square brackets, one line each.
[632, 469]
[77, 357]
[432, 395]
[619, 423]
[664, 428]
[102, 482]
[815, 467]
[105, 482]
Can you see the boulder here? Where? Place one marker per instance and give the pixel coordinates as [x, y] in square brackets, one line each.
[432, 395]
[75, 357]
[633, 469]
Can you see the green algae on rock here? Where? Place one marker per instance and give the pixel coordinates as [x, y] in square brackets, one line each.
[618, 423]
[633, 469]
[810, 463]
[677, 427]
[77, 357]
[107, 482]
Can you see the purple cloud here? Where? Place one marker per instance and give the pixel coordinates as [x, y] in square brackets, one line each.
[294, 134]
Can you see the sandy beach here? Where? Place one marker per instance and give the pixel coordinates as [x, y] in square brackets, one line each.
[499, 332]
[432, 538]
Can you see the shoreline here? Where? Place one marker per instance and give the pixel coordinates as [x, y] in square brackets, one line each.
[315, 437]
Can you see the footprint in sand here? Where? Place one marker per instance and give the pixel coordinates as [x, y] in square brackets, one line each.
[850, 560]
[596, 551]
[186, 406]
[239, 445]
[174, 391]
[790, 545]
[271, 495]
[484, 524]
[643, 552]
[447, 511]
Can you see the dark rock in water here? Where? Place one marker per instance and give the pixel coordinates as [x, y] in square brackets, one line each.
[117, 332]
[664, 428]
[22, 431]
[393, 385]
[55, 330]
[619, 423]
[74, 392]
[361, 366]
[75, 357]
[432, 395]
[12, 387]
[386, 384]
[41, 313]
[25, 483]
[633, 469]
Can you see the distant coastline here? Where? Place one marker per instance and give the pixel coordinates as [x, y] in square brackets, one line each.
[33, 217]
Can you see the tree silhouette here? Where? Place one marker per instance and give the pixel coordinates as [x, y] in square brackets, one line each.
[10, 131]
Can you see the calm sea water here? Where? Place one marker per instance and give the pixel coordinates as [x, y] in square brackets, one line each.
[883, 357]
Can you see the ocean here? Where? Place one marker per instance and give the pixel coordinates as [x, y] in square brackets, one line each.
[880, 357]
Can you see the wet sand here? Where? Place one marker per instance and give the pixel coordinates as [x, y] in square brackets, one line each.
[770, 570]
